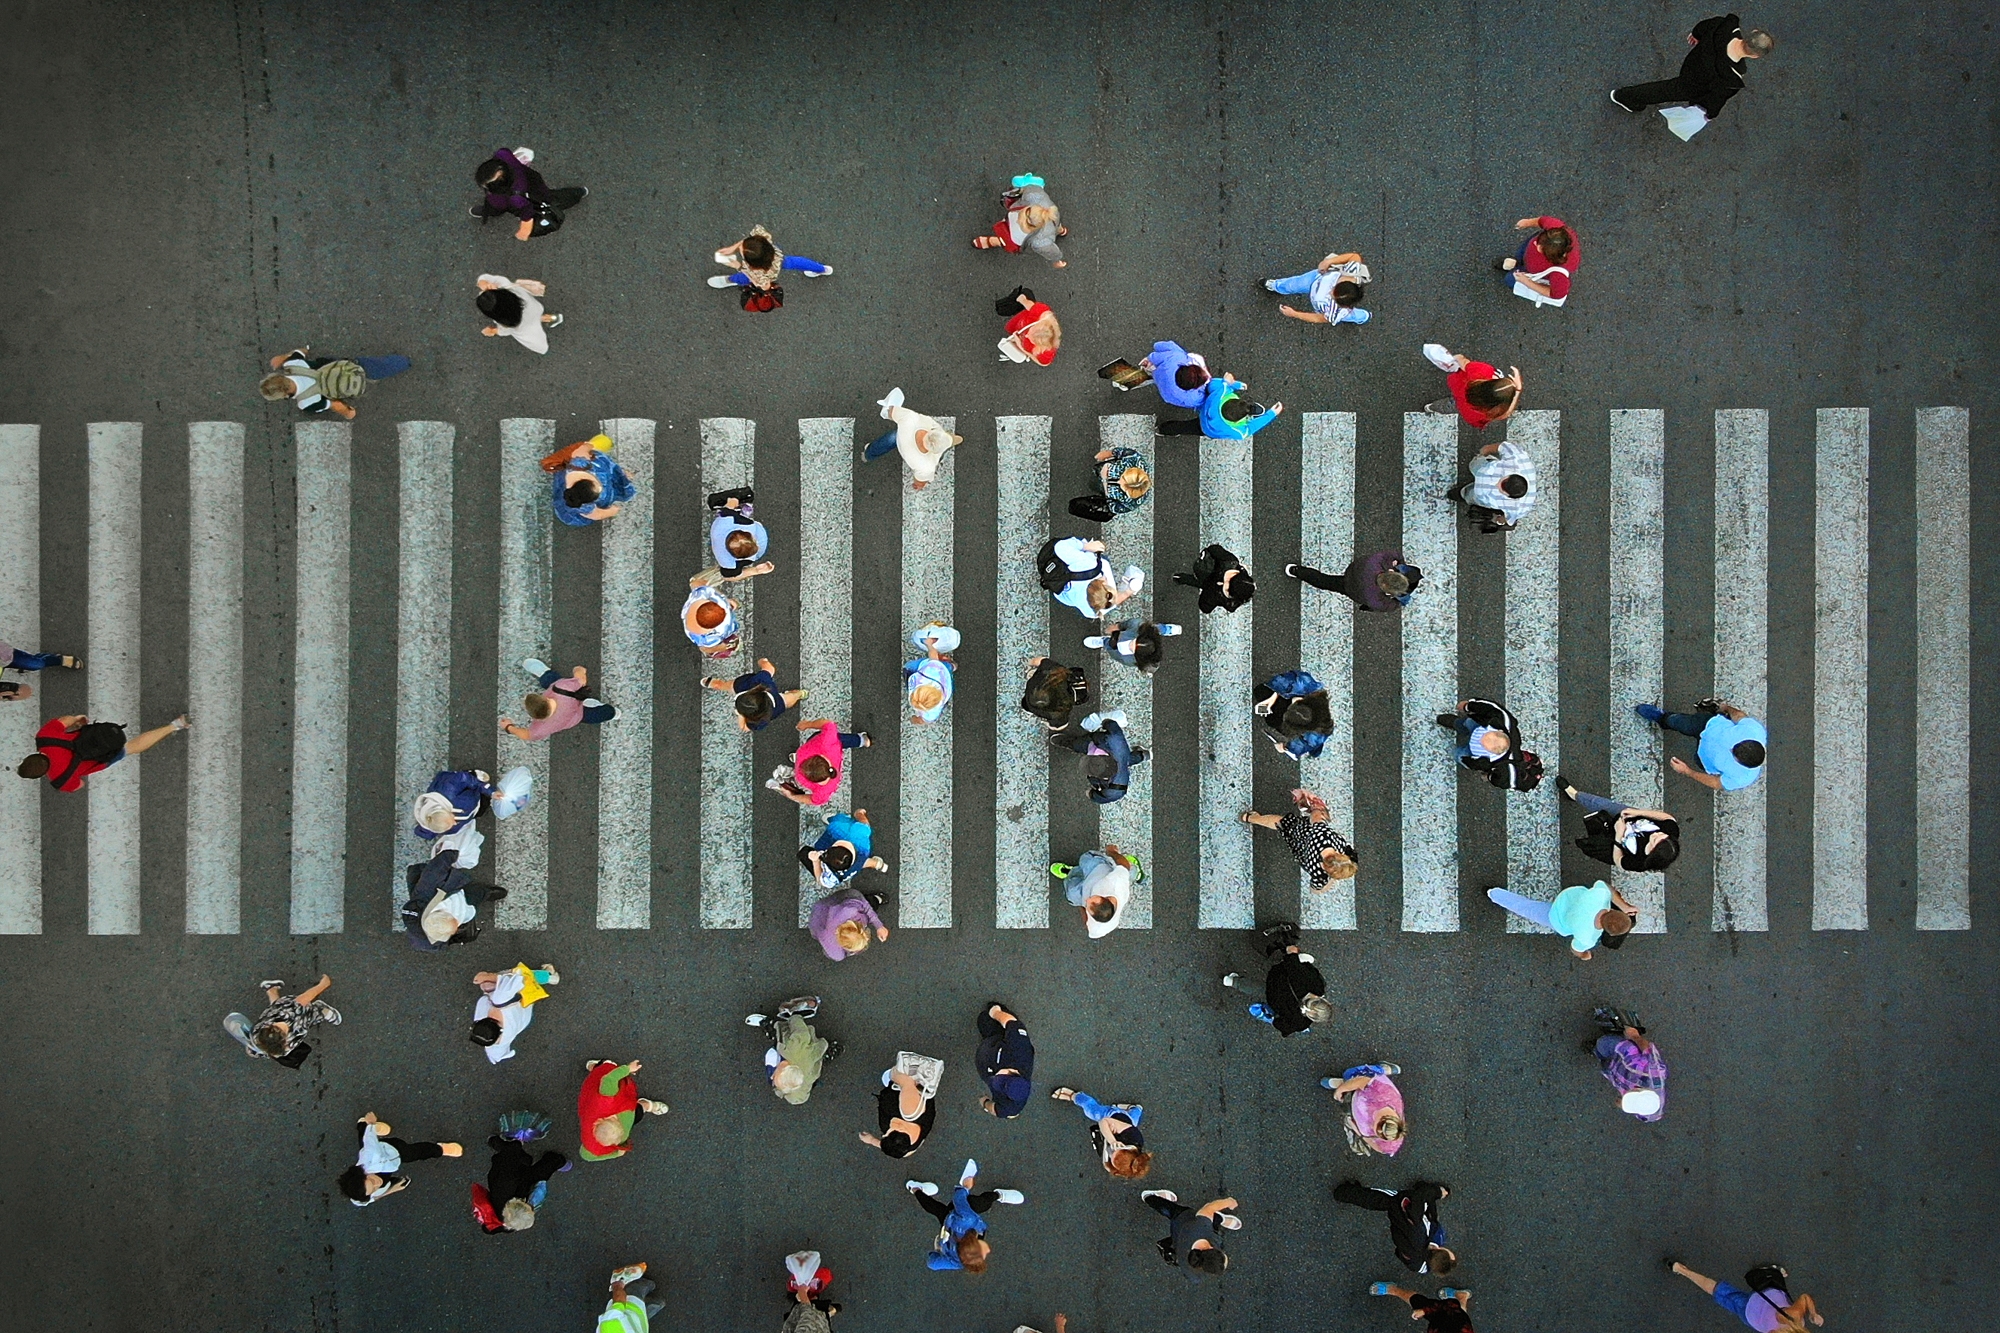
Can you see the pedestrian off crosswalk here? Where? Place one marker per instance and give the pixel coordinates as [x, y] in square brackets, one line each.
[933, 884]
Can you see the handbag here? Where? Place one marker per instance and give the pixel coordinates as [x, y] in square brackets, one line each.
[762, 300]
[1092, 508]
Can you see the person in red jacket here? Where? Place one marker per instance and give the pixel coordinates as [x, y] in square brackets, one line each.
[1541, 270]
[609, 1107]
[1032, 331]
[69, 749]
[1479, 392]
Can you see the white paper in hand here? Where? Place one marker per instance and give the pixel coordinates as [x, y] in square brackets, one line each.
[1685, 121]
[1438, 355]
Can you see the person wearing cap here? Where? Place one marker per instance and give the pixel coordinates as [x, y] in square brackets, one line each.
[1381, 581]
[735, 538]
[1414, 1228]
[1225, 413]
[1622, 835]
[708, 618]
[1094, 587]
[506, 1005]
[1032, 221]
[927, 681]
[1194, 1235]
[816, 765]
[1375, 1119]
[1114, 1129]
[1123, 478]
[1006, 1060]
[69, 749]
[1631, 1064]
[1489, 744]
[1333, 287]
[1179, 375]
[961, 1243]
[1323, 854]
[1296, 713]
[1224, 582]
[1294, 990]
[921, 440]
[1137, 643]
[759, 701]
[796, 1054]
[1585, 914]
[609, 1108]
[1728, 742]
[558, 703]
[1100, 883]
[1108, 757]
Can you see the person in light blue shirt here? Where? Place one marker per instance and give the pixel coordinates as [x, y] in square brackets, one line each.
[1094, 588]
[1225, 414]
[735, 538]
[928, 679]
[961, 1244]
[1180, 375]
[1728, 741]
[1588, 915]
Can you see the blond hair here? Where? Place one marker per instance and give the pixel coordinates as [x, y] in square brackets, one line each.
[1342, 867]
[1046, 331]
[1135, 481]
[926, 696]
[1036, 216]
[851, 936]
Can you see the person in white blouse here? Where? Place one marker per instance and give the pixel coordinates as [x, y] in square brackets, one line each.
[919, 439]
[515, 307]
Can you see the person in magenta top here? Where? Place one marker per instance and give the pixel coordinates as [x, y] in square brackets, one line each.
[1374, 1108]
[559, 703]
[1479, 392]
[816, 764]
[1541, 270]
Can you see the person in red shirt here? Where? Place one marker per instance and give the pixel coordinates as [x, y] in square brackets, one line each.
[1541, 270]
[1032, 331]
[1479, 392]
[66, 756]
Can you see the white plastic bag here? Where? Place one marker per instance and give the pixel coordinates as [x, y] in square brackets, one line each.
[1440, 356]
[1685, 121]
[512, 792]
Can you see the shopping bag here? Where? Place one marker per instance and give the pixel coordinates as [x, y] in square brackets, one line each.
[512, 792]
[1440, 356]
[1684, 121]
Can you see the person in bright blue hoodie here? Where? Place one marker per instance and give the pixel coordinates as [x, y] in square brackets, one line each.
[1225, 414]
[1179, 375]
[961, 1244]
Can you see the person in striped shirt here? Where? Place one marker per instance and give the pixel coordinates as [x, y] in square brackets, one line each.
[1502, 490]
[1631, 1064]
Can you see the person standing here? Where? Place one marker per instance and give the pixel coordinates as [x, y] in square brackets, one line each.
[1108, 756]
[1031, 221]
[506, 1005]
[1375, 1119]
[1225, 413]
[559, 703]
[324, 384]
[1382, 581]
[1501, 491]
[1114, 1130]
[1180, 375]
[1296, 713]
[842, 922]
[280, 1031]
[378, 1164]
[759, 701]
[609, 1108]
[1332, 287]
[515, 307]
[921, 440]
[1728, 742]
[1137, 643]
[1764, 1301]
[1100, 883]
[587, 485]
[1541, 270]
[961, 1243]
[1323, 854]
[1006, 1060]
[1631, 1064]
[843, 850]
[1444, 1313]
[797, 1054]
[1054, 692]
[1711, 72]
[19, 660]
[817, 763]
[1489, 743]
[516, 1183]
[1033, 332]
[69, 749]
[1075, 571]
[515, 189]
[735, 538]
[1222, 579]
[1294, 990]
[1621, 835]
[1194, 1235]
[758, 264]
[1480, 394]
[1586, 915]
[927, 681]
[443, 902]
[1414, 1228]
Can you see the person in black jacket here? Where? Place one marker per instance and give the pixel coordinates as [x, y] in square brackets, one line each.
[1414, 1228]
[1108, 756]
[435, 882]
[1006, 1061]
[1711, 74]
[1054, 691]
[1223, 580]
[1621, 835]
[1489, 743]
[1294, 990]
[512, 1180]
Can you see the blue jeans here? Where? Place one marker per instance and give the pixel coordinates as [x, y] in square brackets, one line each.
[1601, 805]
[792, 264]
[1095, 1110]
[881, 444]
[1520, 258]
[1607, 1048]
[1533, 909]
[382, 367]
[34, 661]
[1299, 286]
[1086, 865]
[1687, 724]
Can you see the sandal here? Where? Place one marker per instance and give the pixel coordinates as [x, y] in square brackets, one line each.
[987, 241]
[1063, 1095]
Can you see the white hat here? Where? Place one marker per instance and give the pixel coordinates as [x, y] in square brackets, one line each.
[435, 812]
[1643, 1101]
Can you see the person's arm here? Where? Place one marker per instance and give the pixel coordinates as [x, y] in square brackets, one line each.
[1638, 1038]
[607, 1083]
[1731, 711]
[1304, 316]
[874, 921]
[1708, 780]
[1331, 261]
[1214, 1206]
[518, 733]
[1805, 1306]
[1520, 392]
[1646, 814]
[1001, 1016]
[1348, 1086]
[608, 511]
[308, 996]
[1533, 285]
[1618, 901]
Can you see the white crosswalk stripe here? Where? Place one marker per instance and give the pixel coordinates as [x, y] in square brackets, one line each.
[1021, 774]
[215, 678]
[625, 680]
[1534, 646]
[521, 844]
[112, 659]
[728, 461]
[1637, 630]
[1742, 619]
[1840, 671]
[826, 606]
[1128, 824]
[423, 625]
[1326, 641]
[21, 623]
[924, 866]
[1430, 675]
[320, 678]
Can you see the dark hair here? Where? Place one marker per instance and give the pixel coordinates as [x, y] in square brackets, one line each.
[1619, 924]
[1209, 1259]
[581, 492]
[1100, 766]
[741, 543]
[1441, 1261]
[501, 306]
[1236, 409]
[485, 1032]
[896, 1143]
[491, 172]
[1146, 646]
[1245, 587]
[1554, 244]
[1191, 376]
[816, 768]
[1489, 394]
[838, 858]
[1750, 754]
[1514, 485]
[269, 1040]
[756, 706]
[353, 1183]
[35, 765]
[1663, 855]
[1346, 293]
[1309, 713]
[758, 252]
[1103, 910]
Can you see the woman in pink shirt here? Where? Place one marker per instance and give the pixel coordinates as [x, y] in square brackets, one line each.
[1374, 1108]
[559, 703]
[816, 764]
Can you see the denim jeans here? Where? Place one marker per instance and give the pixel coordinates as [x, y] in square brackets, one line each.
[1095, 1110]
[1299, 286]
[1601, 805]
[1533, 909]
[1687, 724]
[592, 713]
[1520, 259]
[881, 444]
[792, 264]
[1359, 1070]
[34, 661]
[382, 367]
[1086, 865]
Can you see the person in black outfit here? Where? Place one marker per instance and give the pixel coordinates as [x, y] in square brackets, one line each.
[1489, 743]
[513, 188]
[1622, 835]
[441, 875]
[1711, 74]
[1223, 580]
[1294, 990]
[1443, 1313]
[1108, 755]
[512, 1178]
[1414, 1228]
[1054, 691]
[1006, 1061]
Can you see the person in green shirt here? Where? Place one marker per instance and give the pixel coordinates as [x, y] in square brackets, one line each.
[628, 1310]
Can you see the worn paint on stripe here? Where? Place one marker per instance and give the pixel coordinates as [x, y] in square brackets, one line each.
[923, 872]
[1840, 671]
[215, 678]
[1129, 539]
[423, 634]
[1326, 642]
[826, 607]
[21, 614]
[1021, 749]
[1430, 675]
[1534, 623]
[1637, 627]
[1944, 668]
[1742, 623]
[112, 667]
[521, 844]
[321, 671]
[728, 460]
[1228, 898]
[625, 743]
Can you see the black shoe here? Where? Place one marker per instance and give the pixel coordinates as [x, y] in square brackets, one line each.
[1449, 721]
[1565, 788]
[1139, 752]
[495, 895]
[1500, 266]
[1630, 110]
[833, 1050]
[875, 899]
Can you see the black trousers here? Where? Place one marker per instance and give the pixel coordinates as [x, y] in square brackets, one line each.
[1192, 426]
[1319, 578]
[1361, 1196]
[1639, 96]
[979, 1202]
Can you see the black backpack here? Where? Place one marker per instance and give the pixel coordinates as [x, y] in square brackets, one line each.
[1092, 508]
[1054, 574]
[94, 742]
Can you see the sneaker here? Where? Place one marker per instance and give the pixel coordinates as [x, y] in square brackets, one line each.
[1629, 110]
[1329, 1083]
[1269, 284]
[1229, 1221]
[803, 696]
[1135, 578]
[799, 1006]
[328, 1012]
[1093, 641]
[1060, 869]
[971, 1169]
[1649, 713]
[1064, 1094]
[1262, 1013]
[1114, 715]
[893, 399]
[826, 272]
[1231, 978]
[720, 280]
[1168, 1195]
[1449, 721]
[1009, 1196]
[553, 323]
[1305, 958]
[866, 739]
[875, 899]
[833, 1050]
[756, 1020]
[1389, 1069]
[651, 1107]
[724, 259]
[495, 895]
[1565, 788]
[1442, 407]
[72, 663]
[629, 1273]
[1378, 1289]
[1138, 871]
[1291, 571]
[775, 783]
[920, 1187]
[1450, 1293]
[555, 977]
[535, 667]
[266, 985]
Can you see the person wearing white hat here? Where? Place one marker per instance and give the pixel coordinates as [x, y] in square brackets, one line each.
[1631, 1064]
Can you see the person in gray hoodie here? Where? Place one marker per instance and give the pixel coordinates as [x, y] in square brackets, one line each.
[1032, 220]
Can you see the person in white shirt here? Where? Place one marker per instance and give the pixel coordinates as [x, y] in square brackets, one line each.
[1100, 883]
[919, 439]
[1095, 588]
[1333, 287]
[1503, 482]
[514, 305]
[506, 1006]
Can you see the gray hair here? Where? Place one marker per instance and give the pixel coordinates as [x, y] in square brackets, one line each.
[517, 1215]
[1316, 1008]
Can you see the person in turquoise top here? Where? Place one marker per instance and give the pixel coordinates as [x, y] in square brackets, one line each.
[857, 855]
[1225, 414]
[1585, 915]
[1728, 741]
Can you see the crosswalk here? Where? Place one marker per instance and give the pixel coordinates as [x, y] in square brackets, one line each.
[935, 885]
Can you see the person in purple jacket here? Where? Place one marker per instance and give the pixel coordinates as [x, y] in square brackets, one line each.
[1180, 375]
[1379, 582]
[842, 920]
[515, 189]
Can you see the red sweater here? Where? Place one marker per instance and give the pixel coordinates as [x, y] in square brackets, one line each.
[1463, 378]
[66, 771]
[1536, 263]
[593, 1105]
[1045, 355]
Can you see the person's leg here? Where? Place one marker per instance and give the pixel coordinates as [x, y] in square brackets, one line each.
[1533, 909]
[598, 713]
[568, 197]
[930, 1204]
[739, 279]
[851, 740]
[1687, 724]
[982, 1200]
[1319, 579]
[416, 1152]
[1166, 1208]
[1192, 426]
[812, 268]
[548, 678]
[1297, 286]
[881, 444]
[1607, 1046]
[1601, 805]
[1361, 1196]
[1092, 1109]
[34, 661]
[238, 1026]
[146, 740]
[382, 367]
[1639, 96]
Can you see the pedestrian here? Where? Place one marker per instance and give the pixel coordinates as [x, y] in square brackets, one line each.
[1124, 481]
[1222, 579]
[796, 1054]
[735, 538]
[280, 1031]
[806, 1282]
[1033, 333]
[1323, 854]
[757, 264]
[1414, 1228]
[19, 660]
[1711, 72]
[1030, 219]
[443, 902]
[759, 701]
[558, 703]
[515, 307]
[1380, 581]
[921, 440]
[1541, 269]
[1077, 573]
[1114, 1129]
[1225, 413]
[1295, 711]
[1179, 374]
[1501, 491]
[927, 680]
[1480, 394]
[1054, 692]
[587, 485]
[378, 1164]
[326, 384]
[506, 1005]
[1375, 1120]
[905, 1112]
[628, 1310]
[1194, 1235]
[1332, 287]
[1108, 756]
[1489, 743]
[1137, 643]
[1101, 884]
[843, 850]
[1621, 835]
[708, 618]
[1444, 1314]
[815, 773]
[516, 1182]
[1294, 990]
[1630, 1063]
[1764, 1301]
[69, 749]
[455, 798]
[1586, 915]
[515, 189]
[1728, 742]
[1006, 1060]
[842, 922]
[961, 1242]
[609, 1108]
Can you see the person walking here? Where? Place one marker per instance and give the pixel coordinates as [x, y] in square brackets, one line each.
[1006, 1060]
[843, 850]
[1075, 571]
[1621, 835]
[326, 384]
[1114, 1130]
[515, 189]
[927, 681]
[1180, 375]
[1480, 394]
[1541, 269]
[1501, 490]
[1137, 643]
[1222, 579]
[1586, 915]
[558, 703]
[506, 1005]
[816, 765]
[20, 660]
[1764, 1301]
[515, 307]
[1295, 711]
[1414, 1228]
[1630, 1063]
[735, 538]
[1194, 1235]
[1100, 883]
[1054, 692]
[280, 1031]
[1108, 756]
[1033, 332]
[921, 440]
[516, 1181]
[443, 902]
[1711, 72]
[1225, 413]
[905, 1113]
[1489, 743]
[1375, 1120]
[1444, 1313]
[609, 1108]
[1323, 854]
[842, 922]
[587, 485]
[1124, 483]
[757, 264]
[1030, 221]
[796, 1054]
[759, 701]
[961, 1242]
[1294, 990]
[806, 1282]
[1332, 287]
[70, 748]
[378, 1164]
[1728, 742]
[629, 1310]
[708, 618]
[455, 798]
[1380, 581]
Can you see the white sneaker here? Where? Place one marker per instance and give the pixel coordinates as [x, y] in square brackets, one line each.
[524, 155]
[1305, 958]
[1094, 641]
[1114, 715]
[726, 260]
[1230, 979]
[1229, 1221]
[1270, 284]
[755, 1020]
[920, 1187]
[893, 400]
[1168, 1195]
[1010, 1196]
[1168, 631]
[971, 1169]
[1092, 722]
[826, 272]
[720, 280]
[535, 667]
[1135, 578]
